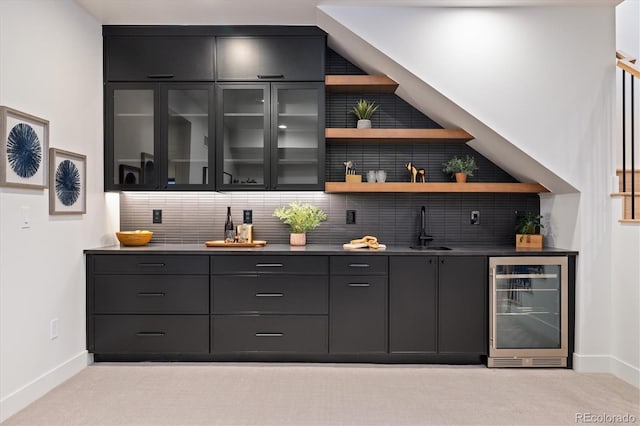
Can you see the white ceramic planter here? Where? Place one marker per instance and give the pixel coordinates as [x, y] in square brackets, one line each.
[364, 124]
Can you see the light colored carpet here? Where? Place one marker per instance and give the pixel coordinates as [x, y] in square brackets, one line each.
[327, 394]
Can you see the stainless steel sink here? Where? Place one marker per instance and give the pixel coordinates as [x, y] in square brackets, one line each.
[430, 248]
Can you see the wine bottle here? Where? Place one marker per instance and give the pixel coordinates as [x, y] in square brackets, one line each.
[229, 230]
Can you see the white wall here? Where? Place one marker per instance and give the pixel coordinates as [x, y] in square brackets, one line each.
[542, 78]
[51, 67]
[625, 352]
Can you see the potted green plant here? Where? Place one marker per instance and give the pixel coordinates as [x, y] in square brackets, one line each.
[301, 218]
[364, 109]
[460, 167]
[528, 231]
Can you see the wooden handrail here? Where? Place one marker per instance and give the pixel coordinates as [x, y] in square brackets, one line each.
[627, 63]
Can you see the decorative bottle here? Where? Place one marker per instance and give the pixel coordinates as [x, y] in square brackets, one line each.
[229, 230]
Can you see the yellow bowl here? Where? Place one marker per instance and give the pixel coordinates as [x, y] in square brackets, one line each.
[134, 238]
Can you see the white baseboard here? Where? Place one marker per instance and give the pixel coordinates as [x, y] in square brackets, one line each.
[607, 364]
[24, 396]
[625, 371]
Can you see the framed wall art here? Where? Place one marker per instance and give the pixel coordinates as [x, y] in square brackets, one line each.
[24, 144]
[68, 182]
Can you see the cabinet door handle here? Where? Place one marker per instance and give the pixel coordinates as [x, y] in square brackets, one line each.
[150, 334]
[265, 76]
[149, 294]
[160, 76]
[359, 285]
[151, 265]
[359, 265]
[269, 295]
[269, 265]
[269, 334]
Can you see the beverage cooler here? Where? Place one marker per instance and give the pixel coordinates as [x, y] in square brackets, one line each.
[528, 326]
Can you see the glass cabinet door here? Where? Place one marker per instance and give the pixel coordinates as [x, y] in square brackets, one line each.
[243, 135]
[133, 130]
[297, 135]
[188, 144]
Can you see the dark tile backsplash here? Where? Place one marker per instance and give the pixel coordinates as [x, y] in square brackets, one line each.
[195, 217]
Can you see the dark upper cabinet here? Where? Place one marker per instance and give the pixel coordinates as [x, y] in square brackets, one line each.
[462, 314]
[277, 58]
[413, 304]
[270, 136]
[153, 58]
[157, 136]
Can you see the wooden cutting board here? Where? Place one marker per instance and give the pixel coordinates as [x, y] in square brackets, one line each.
[222, 243]
[350, 246]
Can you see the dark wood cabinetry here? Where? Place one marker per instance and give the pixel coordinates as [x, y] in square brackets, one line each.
[413, 304]
[277, 58]
[358, 304]
[374, 307]
[462, 305]
[159, 58]
[269, 304]
[161, 118]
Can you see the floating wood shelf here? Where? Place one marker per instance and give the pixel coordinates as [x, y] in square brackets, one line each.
[359, 84]
[434, 187]
[396, 135]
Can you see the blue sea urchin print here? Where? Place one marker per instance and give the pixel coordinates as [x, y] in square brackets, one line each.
[23, 150]
[67, 183]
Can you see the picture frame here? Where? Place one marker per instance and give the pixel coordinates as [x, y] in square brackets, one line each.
[147, 166]
[24, 149]
[67, 182]
[129, 175]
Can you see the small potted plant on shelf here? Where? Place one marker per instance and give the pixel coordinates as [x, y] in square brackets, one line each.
[301, 218]
[460, 167]
[528, 232]
[364, 110]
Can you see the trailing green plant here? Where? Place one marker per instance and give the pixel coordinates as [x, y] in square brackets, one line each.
[300, 217]
[466, 165]
[528, 224]
[365, 109]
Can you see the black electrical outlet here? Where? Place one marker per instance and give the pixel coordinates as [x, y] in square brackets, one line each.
[157, 216]
[247, 216]
[351, 217]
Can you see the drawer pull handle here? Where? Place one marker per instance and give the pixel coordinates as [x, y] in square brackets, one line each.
[269, 295]
[359, 265]
[263, 76]
[150, 294]
[160, 75]
[359, 285]
[269, 334]
[150, 334]
[269, 265]
[151, 265]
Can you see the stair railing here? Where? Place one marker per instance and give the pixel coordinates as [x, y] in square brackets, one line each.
[628, 66]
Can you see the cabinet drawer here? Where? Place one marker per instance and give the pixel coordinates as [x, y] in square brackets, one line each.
[358, 265]
[270, 58]
[291, 294]
[151, 334]
[146, 58]
[146, 294]
[269, 333]
[151, 264]
[241, 264]
[358, 314]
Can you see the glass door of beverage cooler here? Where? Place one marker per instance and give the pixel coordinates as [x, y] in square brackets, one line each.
[528, 308]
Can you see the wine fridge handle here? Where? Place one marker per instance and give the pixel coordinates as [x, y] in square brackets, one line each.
[494, 310]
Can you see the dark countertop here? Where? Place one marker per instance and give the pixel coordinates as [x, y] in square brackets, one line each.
[329, 249]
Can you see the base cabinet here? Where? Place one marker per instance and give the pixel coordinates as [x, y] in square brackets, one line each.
[462, 305]
[413, 304]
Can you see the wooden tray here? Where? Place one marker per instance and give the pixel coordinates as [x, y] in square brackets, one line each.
[221, 243]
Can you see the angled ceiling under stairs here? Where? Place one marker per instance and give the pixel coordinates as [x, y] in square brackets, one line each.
[439, 107]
